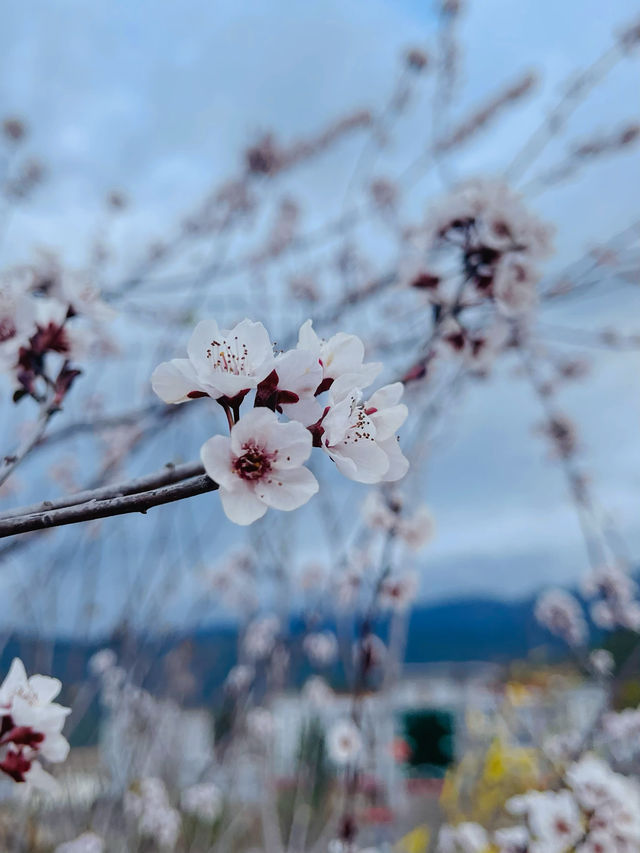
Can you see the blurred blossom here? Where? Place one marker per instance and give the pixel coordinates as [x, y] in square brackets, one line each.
[321, 648]
[466, 837]
[88, 842]
[260, 637]
[560, 613]
[203, 801]
[344, 742]
[260, 724]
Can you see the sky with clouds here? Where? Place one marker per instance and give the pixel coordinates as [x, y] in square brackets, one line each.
[159, 98]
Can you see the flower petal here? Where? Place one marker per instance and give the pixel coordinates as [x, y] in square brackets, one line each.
[241, 505]
[288, 489]
[218, 460]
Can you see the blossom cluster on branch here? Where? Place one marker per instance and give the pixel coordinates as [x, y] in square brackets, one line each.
[318, 387]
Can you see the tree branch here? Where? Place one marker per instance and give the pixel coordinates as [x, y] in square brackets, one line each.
[91, 508]
[11, 461]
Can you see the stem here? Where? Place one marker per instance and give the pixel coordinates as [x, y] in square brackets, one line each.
[10, 462]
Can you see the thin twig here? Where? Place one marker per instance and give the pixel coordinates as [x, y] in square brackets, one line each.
[11, 461]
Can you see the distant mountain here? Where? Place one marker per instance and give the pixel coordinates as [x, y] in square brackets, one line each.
[459, 630]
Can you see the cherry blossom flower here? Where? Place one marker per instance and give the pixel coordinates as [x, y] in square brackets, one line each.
[512, 839]
[341, 358]
[260, 637]
[203, 800]
[150, 807]
[321, 647]
[602, 662]
[260, 466]
[291, 386]
[344, 742]
[360, 436]
[513, 286]
[466, 837]
[398, 593]
[221, 363]
[554, 818]
[417, 530]
[260, 724]
[88, 842]
[561, 614]
[31, 725]
[317, 692]
[239, 678]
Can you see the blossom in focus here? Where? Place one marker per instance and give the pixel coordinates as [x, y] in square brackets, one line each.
[360, 436]
[260, 466]
[341, 358]
[221, 363]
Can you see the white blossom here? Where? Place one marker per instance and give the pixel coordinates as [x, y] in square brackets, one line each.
[466, 837]
[220, 363]
[341, 358]
[33, 724]
[360, 436]
[560, 613]
[344, 742]
[260, 466]
[203, 800]
[88, 842]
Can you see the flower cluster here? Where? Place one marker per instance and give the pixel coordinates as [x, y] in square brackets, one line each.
[40, 336]
[31, 726]
[262, 463]
[599, 810]
[478, 249]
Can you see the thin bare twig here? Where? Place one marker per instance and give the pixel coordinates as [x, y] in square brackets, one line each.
[11, 461]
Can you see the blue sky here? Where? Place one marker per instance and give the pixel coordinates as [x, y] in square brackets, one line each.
[159, 98]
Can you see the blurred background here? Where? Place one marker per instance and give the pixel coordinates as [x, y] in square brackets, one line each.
[283, 161]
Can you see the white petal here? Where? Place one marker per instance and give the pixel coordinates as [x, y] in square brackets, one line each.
[55, 748]
[241, 504]
[200, 341]
[41, 780]
[252, 427]
[16, 678]
[388, 395]
[45, 688]
[174, 380]
[388, 421]
[288, 490]
[217, 460]
[363, 461]
[307, 338]
[257, 340]
[292, 442]
[398, 462]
